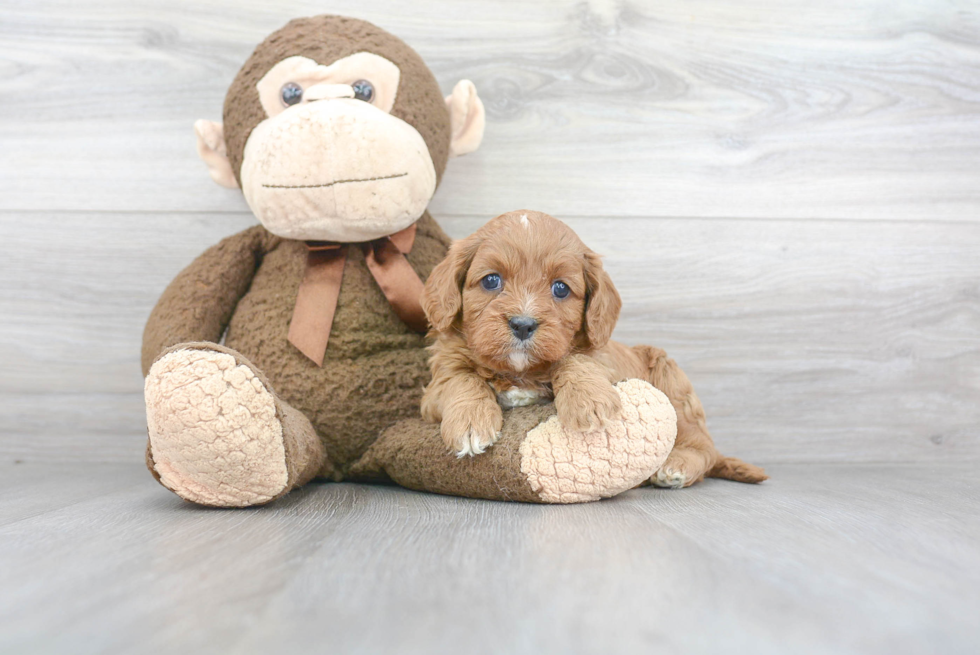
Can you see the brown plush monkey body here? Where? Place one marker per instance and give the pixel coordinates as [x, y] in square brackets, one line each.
[374, 367]
[337, 133]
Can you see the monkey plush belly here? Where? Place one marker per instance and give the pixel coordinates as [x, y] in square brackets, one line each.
[374, 367]
[350, 401]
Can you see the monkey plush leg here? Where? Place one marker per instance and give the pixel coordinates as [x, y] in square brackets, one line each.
[535, 459]
[218, 434]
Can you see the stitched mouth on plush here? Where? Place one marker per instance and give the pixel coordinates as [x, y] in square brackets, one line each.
[335, 182]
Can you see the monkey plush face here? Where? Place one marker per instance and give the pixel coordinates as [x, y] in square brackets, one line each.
[337, 131]
[329, 159]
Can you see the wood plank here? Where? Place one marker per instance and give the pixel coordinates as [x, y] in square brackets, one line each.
[73, 427]
[807, 340]
[822, 559]
[33, 489]
[81, 286]
[831, 110]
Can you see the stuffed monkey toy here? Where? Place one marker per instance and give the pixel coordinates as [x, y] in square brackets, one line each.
[296, 349]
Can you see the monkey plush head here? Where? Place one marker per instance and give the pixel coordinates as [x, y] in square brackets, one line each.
[336, 130]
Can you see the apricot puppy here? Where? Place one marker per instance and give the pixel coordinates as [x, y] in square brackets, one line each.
[522, 312]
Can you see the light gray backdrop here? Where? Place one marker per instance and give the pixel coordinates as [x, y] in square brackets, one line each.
[787, 195]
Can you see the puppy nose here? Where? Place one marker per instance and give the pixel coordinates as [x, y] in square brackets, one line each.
[523, 327]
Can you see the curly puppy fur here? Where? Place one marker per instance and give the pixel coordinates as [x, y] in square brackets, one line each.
[479, 360]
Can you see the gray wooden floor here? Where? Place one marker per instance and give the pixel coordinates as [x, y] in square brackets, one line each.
[822, 559]
[787, 194]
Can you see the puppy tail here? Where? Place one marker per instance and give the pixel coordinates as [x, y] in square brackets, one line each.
[732, 468]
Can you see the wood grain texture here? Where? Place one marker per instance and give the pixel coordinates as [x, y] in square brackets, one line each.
[797, 109]
[786, 195]
[806, 340]
[809, 340]
[868, 559]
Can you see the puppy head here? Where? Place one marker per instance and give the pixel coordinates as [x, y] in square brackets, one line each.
[523, 291]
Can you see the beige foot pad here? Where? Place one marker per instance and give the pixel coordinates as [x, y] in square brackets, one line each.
[214, 433]
[569, 467]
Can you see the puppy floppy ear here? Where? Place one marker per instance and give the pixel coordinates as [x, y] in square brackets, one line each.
[602, 303]
[442, 297]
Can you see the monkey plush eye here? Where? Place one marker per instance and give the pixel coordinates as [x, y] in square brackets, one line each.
[491, 282]
[560, 290]
[363, 90]
[291, 93]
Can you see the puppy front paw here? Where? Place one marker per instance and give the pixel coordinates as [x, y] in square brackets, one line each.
[469, 428]
[588, 406]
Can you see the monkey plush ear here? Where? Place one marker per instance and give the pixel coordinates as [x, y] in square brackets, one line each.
[467, 118]
[211, 149]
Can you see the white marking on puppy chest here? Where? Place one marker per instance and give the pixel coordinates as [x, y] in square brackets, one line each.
[526, 223]
[517, 397]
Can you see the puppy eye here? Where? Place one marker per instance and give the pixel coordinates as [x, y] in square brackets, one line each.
[560, 290]
[291, 93]
[491, 282]
[363, 90]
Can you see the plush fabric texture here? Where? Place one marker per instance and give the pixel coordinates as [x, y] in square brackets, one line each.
[468, 118]
[237, 415]
[214, 430]
[316, 300]
[535, 459]
[326, 39]
[244, 423]
[210, 137]
[220, 437]
[601, 463]
[413, 455]
[374, 367]
[381, 186]
[197, 305]
[383, 74]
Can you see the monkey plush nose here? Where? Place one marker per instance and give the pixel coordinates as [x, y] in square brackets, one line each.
[523, 327]
[328, 92]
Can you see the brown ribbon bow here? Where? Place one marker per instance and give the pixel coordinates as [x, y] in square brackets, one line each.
[316, 302]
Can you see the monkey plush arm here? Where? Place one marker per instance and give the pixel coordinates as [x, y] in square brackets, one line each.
[199, 303]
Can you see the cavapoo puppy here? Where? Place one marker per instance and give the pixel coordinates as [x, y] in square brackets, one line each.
[522, 312]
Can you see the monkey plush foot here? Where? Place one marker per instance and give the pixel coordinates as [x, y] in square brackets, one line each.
[535, 459]
[218, 435]
[570, 467]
